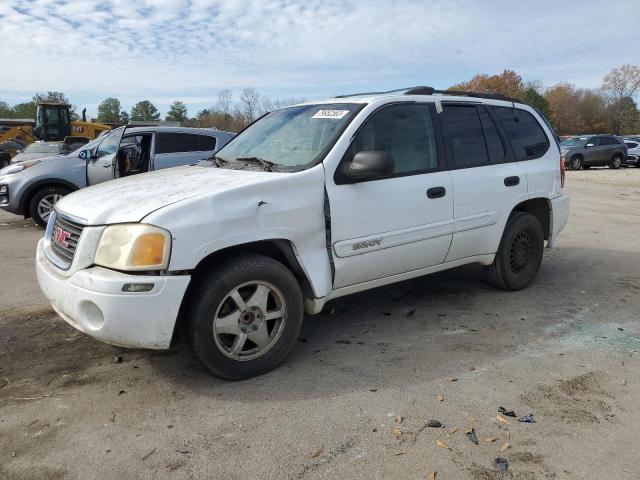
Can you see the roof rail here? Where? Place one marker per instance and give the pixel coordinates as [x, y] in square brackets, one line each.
[422, 90]
[373, 93]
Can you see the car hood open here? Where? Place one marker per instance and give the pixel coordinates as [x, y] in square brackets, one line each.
[131, 199]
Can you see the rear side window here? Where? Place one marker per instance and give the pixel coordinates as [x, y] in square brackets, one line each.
[206, 142]
[177, 142]
[492, 137]
[404, 131]
[608, 141]
[631, 144]
[465, 136]
[525, 134]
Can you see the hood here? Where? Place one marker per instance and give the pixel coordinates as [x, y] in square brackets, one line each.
[43, 157]
[131, 199]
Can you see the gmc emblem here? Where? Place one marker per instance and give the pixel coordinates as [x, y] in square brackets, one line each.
[60, 236]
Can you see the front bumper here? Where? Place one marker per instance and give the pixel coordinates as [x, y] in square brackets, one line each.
[92, 301]
[632, 159]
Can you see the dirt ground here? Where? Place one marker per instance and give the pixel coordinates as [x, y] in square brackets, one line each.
[353, 398]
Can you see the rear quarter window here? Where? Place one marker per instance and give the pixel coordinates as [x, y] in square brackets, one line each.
[525, 134]
[177, 142]
[206, 143]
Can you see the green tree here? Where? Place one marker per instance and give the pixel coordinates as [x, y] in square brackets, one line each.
[177, 112]
[25, 110]
[5, 110]
[109, 111]
[532, 98]
[124, 117]
[145, 111]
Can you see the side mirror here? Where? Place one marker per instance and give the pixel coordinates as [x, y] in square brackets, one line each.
[86, 155]
[370, 165]
[590, 145]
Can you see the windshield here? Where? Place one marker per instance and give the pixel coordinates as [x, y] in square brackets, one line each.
[573, 142]
[42, 148]
[292, 137]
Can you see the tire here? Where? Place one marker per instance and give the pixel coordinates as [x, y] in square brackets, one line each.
[519, 255]
[575, 163]
[219, 319]
[616, 161]
[42, 202]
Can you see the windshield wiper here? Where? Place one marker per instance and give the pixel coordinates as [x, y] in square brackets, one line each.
[217, 161]
[268, 165]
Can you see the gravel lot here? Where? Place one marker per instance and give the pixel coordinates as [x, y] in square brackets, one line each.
[353, 398]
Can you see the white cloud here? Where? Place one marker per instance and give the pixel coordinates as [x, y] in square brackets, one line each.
[162, 49]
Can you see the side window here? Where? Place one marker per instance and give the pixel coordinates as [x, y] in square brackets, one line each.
[492, 138]
[108, 146]
[464, 136]
[404, 131]
[206, 143]
[176, 142]
[525, 134]
[608, 141]
[631, 144]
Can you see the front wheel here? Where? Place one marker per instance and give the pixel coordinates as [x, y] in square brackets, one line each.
[41, 204]
[519, 255]
[616, 162]
[245, 317]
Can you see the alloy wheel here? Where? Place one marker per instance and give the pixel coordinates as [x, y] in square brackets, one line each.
[45, 206]
[249, 320]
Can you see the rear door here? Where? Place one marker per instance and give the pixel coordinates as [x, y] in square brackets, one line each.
[173, 149]
[397, 224]
[487, 181]
[102, 166]
[592, 152]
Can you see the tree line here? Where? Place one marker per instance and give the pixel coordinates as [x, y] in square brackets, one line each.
[570, 109]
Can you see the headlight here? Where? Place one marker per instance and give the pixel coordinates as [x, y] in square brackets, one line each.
[134, 246]
[18, 167]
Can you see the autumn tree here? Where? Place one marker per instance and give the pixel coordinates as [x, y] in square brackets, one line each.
[534, 99]
[508, 83]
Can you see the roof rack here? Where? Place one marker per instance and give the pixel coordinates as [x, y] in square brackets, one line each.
[422, 90]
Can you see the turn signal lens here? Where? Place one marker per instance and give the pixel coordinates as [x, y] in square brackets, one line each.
[148, 250]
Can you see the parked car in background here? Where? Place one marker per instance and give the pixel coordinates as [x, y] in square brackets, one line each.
[31, 188]
[586, 151]
[310, 203]
[633, 152]
[39, 150]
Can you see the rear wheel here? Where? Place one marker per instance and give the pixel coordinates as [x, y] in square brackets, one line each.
[519, 255]
[575, 163]
[245, 317]
[43, 201]
[616, 161]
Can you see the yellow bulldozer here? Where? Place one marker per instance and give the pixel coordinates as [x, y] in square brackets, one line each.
[52, 124]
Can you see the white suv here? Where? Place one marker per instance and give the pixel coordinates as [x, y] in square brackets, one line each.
[310, 203]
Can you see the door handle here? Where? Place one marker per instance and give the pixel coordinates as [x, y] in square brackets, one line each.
[436, 192]
[512, 181]
[106, 166]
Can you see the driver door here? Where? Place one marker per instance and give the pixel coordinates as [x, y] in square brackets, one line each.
[101, 166]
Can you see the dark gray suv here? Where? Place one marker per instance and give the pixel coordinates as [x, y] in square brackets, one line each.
[585, 151]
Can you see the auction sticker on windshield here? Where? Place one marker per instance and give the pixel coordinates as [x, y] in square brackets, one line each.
[337, 114]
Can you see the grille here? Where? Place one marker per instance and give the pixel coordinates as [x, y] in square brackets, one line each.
[75, 230]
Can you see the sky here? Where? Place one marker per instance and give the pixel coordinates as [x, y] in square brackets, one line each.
[188, 50]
